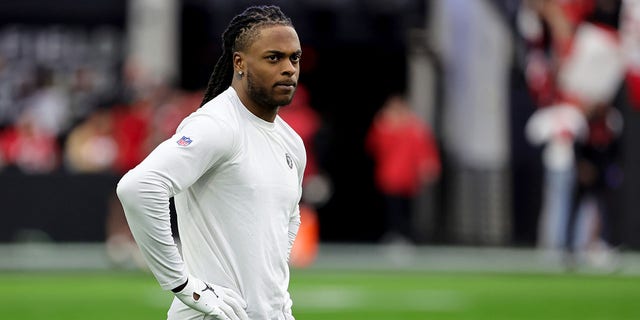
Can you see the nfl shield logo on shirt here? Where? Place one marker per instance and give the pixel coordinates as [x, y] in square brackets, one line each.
[184, 141]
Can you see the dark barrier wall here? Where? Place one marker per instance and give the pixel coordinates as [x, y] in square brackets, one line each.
[57, 207]
[65, 207]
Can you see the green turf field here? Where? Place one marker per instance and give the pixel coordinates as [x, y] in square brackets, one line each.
[338, 295]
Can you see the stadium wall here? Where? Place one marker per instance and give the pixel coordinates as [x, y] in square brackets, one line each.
[54, 207]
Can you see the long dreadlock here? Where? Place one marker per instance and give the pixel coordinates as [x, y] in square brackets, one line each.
[242, 29]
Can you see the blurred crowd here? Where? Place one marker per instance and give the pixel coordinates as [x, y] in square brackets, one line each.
[69, 123]
[581, 57]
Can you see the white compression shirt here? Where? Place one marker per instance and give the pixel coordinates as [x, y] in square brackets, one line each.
[236, 181]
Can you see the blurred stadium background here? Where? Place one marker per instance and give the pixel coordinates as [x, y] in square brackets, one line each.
[476, 254]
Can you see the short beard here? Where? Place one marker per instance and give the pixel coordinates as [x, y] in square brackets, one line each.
[262, 97]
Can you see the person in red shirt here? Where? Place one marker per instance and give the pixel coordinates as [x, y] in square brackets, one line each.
[28, 148]
[406, 158]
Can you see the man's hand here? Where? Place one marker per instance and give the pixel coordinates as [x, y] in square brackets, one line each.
[221, 302]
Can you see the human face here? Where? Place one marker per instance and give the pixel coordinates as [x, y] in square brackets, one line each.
[272, 67]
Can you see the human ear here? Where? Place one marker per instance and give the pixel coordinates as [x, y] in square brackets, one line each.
[238, 62]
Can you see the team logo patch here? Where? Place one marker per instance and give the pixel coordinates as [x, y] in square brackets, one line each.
[184, 141]
[289, 161]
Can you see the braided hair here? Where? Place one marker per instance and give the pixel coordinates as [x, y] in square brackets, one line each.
[242, 30]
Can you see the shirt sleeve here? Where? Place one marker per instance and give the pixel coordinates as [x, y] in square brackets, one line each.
[294, 219]
[199, 143]
[294, 226]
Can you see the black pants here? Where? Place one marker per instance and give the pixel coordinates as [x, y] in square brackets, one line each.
[398, 215]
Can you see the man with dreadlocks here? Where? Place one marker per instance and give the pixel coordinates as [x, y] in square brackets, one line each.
[234, 169]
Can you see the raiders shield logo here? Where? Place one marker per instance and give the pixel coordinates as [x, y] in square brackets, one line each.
[289, 160]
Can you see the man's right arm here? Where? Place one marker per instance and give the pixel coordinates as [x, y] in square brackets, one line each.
[171, 167]
[145, 196]
[145, 199]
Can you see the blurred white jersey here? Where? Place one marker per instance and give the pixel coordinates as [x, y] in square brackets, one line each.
[236, 181]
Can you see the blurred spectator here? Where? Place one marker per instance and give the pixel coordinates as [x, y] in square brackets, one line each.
[49, 104]
[575, 71]
[132, 116]
[556, 128]
[406, 159]
[597, 173]
[131, 130]
[90, 146]
[28, 148]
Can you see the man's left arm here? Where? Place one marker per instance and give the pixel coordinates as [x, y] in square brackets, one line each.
[294, 226]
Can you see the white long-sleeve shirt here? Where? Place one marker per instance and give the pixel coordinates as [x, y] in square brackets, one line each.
[237, 182]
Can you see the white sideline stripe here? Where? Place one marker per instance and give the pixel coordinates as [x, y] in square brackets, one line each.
[461, 259]
[93, 256]
[327, 299]
[50, 256]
